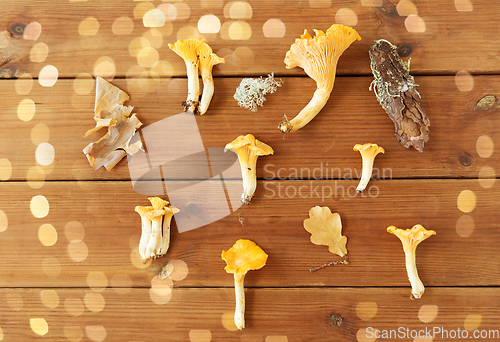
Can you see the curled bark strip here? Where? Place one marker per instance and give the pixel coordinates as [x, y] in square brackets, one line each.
[395, 90]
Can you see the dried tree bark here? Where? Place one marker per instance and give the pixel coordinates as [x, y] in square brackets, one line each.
[395, 90]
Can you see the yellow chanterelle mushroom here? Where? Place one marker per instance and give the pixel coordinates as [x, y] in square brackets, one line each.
[410, 239]
[318, 57]
[207, 60]
[248, 150]
[244, 256]
[368, 153]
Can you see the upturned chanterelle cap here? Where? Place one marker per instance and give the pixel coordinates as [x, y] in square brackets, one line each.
[244, 256]
[411, 237]
[249, 142]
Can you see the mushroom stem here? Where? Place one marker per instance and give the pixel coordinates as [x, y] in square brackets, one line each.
[417, 287]
[208, 91]
[366, 174]
[249, 174]
[318, 101]
[146, 234]
[165, 238]
[239, 290]
[156, 231]
[193, 86]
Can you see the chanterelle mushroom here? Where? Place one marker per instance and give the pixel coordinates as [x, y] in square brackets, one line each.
[248, 150]
[207, 60]
[188, 50]
[368, 153]
[410, 239]
[244, 256]
[318, 57]
[155, 221]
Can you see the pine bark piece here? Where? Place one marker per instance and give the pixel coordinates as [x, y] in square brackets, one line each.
[395, 90]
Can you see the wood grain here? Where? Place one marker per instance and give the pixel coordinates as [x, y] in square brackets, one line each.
[104, 217]
[351, 116]
[271, 314]
[447, 33]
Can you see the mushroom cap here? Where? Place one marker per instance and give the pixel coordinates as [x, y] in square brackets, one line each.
[207, 58]
[411, 237]
[187, 49]
[368, 149]
[244, 256]
[318, 56]
[143, 210]
[158, 203]
[255, 146]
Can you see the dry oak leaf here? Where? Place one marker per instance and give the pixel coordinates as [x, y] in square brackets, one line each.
[326, 229]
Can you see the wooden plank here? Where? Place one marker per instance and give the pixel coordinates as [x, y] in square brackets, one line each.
[434, 51]
[271, 314]
[97, 229]
[351, 116]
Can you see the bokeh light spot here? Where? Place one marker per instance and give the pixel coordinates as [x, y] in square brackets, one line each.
[142, 8]
[74, 231]
[48, 76]
[366, 310]
[464, 5]
[485, 146]
[464, 81]
[39, 52]
[122, 26]
[4, 221]
[415, 24]
[121, 283]
[73, 306]
[39, 326]
[180, 270]
[40, 133]
[187, 32]
[274, 28]
[163, 68]
[47, 235]
[5, 169]
[105, 67]
[24, 84]
[26, 110]
[137, 261]
[51, 267]
[73, 333]
[94, 302]
[32, 31]
[45, 154]
[320, 3]
[227, 320]
[78, 251]
[209, 23]
[466, 201]
[88, 27]
[161, 291]
[487, 177]
[428, 313]
[169, 10]
[97, 281]
[473, 322]
[243, 57]
[49, 298]
[155, 38]
[346, 16]
[182, 10]
[406, 8]
[200, 336]
[238, 10]
[364, 336]
[154, 18]
[465, 226]
[137, 44]
[148, 57]
[96, 333]
[240, 30]
[39, 206]
[35, 177]
[83, 84]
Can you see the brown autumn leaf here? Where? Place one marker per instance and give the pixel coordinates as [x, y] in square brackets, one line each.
[326, 229]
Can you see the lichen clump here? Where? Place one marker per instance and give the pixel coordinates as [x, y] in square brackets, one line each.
[251, 92]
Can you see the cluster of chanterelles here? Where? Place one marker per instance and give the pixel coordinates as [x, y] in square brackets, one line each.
[155, 238]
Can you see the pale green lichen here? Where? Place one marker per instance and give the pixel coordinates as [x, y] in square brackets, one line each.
[251, 92]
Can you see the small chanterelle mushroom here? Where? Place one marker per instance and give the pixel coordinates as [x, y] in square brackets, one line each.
[410, 239]
[244, 256]
[318, 57]
[155, 221]
[198, 56]
[248, 150]
[368, 153]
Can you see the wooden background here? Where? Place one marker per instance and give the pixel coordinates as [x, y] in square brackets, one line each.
[71, 262]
